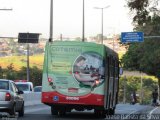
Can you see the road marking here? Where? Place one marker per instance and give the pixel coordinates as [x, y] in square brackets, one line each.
[153, 110]
[150, 114]
[130, 114]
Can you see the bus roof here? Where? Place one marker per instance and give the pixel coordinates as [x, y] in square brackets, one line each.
[75, 43]
[80, 43]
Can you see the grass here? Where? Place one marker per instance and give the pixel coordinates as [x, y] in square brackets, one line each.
[150, 77]
[37, 60]
[20, 61]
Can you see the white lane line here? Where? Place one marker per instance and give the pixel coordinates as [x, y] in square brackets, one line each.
[130, 114]
[151, 112]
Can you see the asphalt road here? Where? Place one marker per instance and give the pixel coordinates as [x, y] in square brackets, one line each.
[123, 111]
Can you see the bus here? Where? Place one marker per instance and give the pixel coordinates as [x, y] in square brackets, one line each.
[80, 76]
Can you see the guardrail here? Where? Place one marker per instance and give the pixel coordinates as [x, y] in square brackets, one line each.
[32, 98]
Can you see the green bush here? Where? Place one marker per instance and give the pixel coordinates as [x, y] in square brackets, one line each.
[134, 84]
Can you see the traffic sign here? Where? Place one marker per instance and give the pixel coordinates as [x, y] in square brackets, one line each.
[127, 37]
[28, 37]
[55, 98]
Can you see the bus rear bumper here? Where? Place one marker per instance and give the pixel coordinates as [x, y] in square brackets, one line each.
[57, 98]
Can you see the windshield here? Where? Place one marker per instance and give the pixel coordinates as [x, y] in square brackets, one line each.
[23, 87]
[4, 85]
[37, 89]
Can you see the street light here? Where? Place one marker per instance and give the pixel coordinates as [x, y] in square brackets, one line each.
[102, 19]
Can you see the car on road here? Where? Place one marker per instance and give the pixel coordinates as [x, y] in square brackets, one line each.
[23, 85]
[11, 99]
[38, 89]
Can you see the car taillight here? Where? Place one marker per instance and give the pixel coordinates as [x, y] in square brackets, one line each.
[8, 97]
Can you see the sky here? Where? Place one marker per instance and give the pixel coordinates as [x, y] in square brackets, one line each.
[33, 16]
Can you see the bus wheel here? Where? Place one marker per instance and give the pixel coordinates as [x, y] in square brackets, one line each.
[111, 111]
[62, 112]
[54, 111]
[100, 113]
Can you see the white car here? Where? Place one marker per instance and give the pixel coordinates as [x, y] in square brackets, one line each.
[26, 87]
[11, 99]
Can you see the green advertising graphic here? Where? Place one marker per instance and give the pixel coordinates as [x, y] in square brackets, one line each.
[88, 69]
[73, 69]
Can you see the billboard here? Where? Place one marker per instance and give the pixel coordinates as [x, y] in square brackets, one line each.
[28, 37]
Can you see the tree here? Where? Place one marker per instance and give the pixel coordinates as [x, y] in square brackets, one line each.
[10, 72]
[142, 10]
[134, 84]
[145, 56]
[35, 75]
[78, 39]
[1, 72]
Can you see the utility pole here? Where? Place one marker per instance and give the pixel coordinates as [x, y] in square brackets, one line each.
[141, 87]
[124, 90]
[51, 22]
[61, 37]
[83, 24]
[28, 38]
[28, 70]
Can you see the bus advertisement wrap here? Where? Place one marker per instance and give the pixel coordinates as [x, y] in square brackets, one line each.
[73, 70]
[80, 76]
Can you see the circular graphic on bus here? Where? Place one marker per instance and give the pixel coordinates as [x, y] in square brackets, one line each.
[88, 69]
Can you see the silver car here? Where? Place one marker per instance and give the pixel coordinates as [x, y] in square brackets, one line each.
[38, 89]
[11, 100]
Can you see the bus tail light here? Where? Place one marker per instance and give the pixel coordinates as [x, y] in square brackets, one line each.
[97, 82]
[50, 80]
